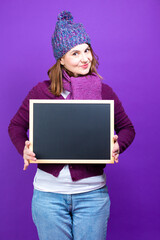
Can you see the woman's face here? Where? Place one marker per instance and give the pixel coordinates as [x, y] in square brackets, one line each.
[78, 60]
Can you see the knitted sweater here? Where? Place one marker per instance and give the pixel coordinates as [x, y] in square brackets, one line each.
[20, 123]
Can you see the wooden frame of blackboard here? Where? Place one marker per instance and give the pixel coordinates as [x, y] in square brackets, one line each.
[37, 103]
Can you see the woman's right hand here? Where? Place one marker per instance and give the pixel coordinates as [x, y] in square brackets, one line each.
[28, 155]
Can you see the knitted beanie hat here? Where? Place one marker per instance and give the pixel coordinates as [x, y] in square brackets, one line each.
[67, 34]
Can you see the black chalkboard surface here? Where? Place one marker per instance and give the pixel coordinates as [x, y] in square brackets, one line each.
[72, 131]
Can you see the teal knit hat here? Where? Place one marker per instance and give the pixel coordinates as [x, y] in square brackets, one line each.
[67, 34]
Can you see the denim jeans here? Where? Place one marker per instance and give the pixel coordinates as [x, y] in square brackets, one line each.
[82, 216]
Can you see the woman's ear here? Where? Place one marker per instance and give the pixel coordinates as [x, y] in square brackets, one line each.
[62, 61]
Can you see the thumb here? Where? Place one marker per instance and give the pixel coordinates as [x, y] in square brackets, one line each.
[27, 143]
[115, 137]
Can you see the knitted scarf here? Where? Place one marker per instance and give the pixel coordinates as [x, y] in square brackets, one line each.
[83, 87]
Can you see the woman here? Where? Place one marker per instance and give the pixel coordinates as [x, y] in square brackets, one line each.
[71, 201]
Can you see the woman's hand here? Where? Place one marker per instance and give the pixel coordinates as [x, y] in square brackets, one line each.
[28, 155]
[115, 152]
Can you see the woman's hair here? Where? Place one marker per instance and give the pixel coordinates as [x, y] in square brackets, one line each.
[55, 73]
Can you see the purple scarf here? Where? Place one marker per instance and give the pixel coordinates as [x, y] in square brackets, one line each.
[83, 87]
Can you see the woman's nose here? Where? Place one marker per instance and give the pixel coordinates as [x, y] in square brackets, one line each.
[84, 58]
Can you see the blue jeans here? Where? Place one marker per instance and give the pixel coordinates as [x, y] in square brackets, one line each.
[82, 216]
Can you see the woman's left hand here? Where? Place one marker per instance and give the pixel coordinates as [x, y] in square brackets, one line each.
[115, 152]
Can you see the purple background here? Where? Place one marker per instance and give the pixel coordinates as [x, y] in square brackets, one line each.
[126, 36]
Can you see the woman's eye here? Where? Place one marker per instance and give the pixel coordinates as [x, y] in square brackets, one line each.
[75, 54]
[87, 50]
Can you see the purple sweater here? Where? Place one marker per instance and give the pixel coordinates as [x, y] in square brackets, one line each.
[20, 123]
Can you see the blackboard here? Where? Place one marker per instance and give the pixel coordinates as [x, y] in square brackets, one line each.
[72, 131]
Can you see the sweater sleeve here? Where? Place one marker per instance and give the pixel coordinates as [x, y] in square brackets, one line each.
[19, 124]
[122, 124]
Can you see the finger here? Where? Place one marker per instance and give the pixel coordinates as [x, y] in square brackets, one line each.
[29, 157]
[116, 157]
[27, 143]
[115, 149]
[29, 153]
[115, 137]
[26, 164]
[25, 167]
[115, 154]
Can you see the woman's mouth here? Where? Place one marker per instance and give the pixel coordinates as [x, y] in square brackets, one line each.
[84, 66]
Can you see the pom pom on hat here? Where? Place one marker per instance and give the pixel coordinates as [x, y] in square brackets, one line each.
[65, 15]
[67, 35]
